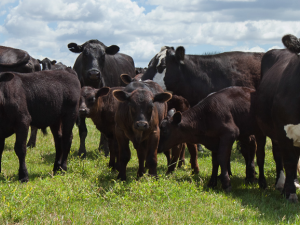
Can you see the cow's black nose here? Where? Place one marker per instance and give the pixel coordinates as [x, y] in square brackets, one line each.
[83, 111]
[141, 125]
[94, 74]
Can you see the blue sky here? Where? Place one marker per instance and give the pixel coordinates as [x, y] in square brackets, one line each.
[142, 27]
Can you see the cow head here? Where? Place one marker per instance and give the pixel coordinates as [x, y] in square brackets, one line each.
[141, 105]
[47, 63]
[292, 43]
[89, 99]
[93, 58]
[170, 131]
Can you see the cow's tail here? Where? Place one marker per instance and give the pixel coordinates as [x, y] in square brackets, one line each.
[292, 43]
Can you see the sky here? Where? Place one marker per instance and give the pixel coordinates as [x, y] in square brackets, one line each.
[141, 27]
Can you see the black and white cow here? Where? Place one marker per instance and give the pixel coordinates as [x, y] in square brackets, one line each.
[278, 108]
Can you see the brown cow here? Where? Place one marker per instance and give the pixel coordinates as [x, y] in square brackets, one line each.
[101, 106]
[142, 106]
[216, 122]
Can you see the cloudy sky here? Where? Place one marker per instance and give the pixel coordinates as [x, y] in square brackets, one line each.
[141, 27]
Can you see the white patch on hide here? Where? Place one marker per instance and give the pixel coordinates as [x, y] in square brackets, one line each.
[281, 181]
[159, 78]
[160, 56]
[293, 132]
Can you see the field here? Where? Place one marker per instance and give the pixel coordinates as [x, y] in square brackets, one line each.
[88, 193]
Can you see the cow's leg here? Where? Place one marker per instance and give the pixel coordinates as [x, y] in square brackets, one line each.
[248, 148]
[215, 167]
[182, 156]
[104, 144]
[141, 153]
[20, 149]
[280, 177]
[2, 142]
[113, 148]
[124, 153]
[226, 142]
[260, 158]
[168, 156]
[57, 136]
[32, 140]
[68, 122]
[176, 150]
[82, 134]
[151, 158]
[290, 160]
[194, 157]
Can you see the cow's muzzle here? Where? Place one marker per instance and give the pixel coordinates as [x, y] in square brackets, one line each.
[93, 74]
[83, 111]
[141, 125]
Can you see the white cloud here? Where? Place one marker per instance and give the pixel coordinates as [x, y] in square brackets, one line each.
[247, 49]
[29, 26]
[5, 2]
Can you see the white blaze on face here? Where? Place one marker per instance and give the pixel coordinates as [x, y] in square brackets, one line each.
[159, 77]
[293, 132]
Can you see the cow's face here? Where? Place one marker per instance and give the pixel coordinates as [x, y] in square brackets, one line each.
[47, 63]
[170, 131]
[93, 57]
[141, 106]
[89, 99]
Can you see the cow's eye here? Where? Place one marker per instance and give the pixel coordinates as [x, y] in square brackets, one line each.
[92, 99]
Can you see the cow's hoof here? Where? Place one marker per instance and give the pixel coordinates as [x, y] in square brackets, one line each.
[122, 178]
[262, 183]
[212, 183]
[23, 180]
[252, 180]
[82, 155]
[30, 145]
[227, 190]
[293, 198]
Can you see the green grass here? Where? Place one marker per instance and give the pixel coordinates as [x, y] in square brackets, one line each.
[90, 194]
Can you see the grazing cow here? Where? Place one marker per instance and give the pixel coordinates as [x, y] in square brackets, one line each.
[47, 64]
[40, 99]
[216, 122]
[277, 108]
[101, 107]
[17, 60]
[98, 66]
[196, 76]
[142, 106]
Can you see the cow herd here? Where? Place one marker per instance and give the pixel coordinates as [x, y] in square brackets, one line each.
[179, 100]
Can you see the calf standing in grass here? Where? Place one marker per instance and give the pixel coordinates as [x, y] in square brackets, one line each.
[216, 122]
[142, 106]
[101, 106]
[41, 99]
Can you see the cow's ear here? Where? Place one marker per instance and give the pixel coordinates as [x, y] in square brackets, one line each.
[292, 43]
[111, 50]
[6, 77]
[126, 78]
[180, 53]
[121, 95]
[53, 62]
[177, 118]
[102, 92]
[162, 97]
[73, 47]
[40, 62]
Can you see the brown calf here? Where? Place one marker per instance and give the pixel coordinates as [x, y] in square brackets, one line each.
[142, 106]
[216, 122]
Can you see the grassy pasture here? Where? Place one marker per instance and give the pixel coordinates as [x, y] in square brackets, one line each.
[90, 194]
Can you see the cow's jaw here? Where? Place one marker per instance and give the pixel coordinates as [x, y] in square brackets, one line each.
[159, 78]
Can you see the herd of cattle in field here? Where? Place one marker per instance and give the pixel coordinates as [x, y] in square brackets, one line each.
[179, 100]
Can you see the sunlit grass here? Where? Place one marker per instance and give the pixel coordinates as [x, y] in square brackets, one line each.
[90, 194]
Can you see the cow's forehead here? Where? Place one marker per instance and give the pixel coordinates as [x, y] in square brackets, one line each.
[141, 96]
[160, 56]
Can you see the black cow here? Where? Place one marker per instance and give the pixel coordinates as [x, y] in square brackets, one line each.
[277, 107]
[41, 99]
[12, 59]
[98, 66]
[196, 76]
[47, 64]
